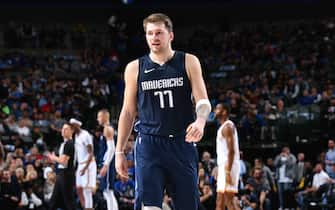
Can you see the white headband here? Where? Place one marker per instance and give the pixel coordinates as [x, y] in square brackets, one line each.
[75, 121]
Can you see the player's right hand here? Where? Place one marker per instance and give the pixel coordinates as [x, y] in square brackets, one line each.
[228, 179]
[121, 165]
[103, 171]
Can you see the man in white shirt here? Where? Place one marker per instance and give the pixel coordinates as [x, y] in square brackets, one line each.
[320, 178]
[87, 168]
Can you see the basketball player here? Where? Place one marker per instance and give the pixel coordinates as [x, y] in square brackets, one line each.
[107, 171]
[63, 195]
[158, 89]
[228, 159]
[87, 169]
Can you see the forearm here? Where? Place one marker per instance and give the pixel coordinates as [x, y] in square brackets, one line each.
[109, 153]
[88, 161]
[60, 160]
[63, 159]
[231, 155]
[125, 126]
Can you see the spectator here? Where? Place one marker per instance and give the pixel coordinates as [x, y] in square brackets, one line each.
[9, 192]
[207, 198]
[244, 170]
[49, 186]
[2, 157]
[300, 167]
[125, 192]
[259, 189]
[330, 158]
[306, 99]
[207, 162]
[315, 191]
[266, 172]
[285, 164]
[291, 91]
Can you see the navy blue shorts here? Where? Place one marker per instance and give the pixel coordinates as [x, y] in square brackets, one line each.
[107, 182]
[163, 163]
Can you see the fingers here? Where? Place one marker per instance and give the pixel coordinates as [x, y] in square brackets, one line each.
[189, 128]
[123, 172]
[193, 134]
[121, 168]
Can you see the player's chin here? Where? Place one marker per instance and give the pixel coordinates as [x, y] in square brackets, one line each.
[155, 48]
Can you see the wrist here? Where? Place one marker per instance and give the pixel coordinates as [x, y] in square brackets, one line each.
[201, 120]
[119, 152]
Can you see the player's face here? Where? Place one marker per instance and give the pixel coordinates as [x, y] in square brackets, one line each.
[158, 37]
[219, 111]
[100, 118]
[66, 131]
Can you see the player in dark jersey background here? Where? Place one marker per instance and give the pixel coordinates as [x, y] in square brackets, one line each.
[107, 165]
[158, 90]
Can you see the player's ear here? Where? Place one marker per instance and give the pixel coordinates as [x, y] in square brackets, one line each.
[171, 36]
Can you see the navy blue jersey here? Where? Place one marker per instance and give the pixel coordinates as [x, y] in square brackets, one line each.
[164, 97]
[101, 150]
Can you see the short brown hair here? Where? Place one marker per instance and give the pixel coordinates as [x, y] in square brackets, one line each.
[104, 111]
[158, 18]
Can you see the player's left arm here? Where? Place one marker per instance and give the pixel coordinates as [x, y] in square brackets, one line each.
[109, 134]
[89, 147]
[228, 133]
[203, 107]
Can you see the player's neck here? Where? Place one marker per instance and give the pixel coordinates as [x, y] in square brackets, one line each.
[162, 57]
[106, 124]
[223, 120]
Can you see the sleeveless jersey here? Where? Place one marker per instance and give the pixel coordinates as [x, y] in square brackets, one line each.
[222, 147]
[164, 101]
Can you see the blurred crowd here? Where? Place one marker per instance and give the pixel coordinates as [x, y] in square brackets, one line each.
[283, 181]
[278, 79]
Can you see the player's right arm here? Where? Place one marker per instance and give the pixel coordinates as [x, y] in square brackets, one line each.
[109, 154]
[127, 116]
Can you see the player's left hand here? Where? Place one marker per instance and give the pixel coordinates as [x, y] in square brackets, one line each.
[103, 171]
[195, 131]
[82, 172]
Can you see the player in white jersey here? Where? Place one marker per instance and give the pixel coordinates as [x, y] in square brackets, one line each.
[87, 168]
[228, 157]
[107, 171]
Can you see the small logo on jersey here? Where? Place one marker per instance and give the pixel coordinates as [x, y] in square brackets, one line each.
[149, 70]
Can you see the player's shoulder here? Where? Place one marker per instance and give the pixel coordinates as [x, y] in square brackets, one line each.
[189, 57]
[85, 132]
[133, 64]
[229, 123]
[228, 126]
[192, 63]
[132, 67]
